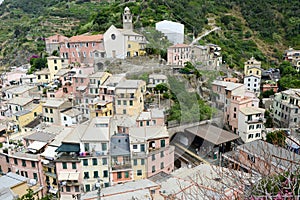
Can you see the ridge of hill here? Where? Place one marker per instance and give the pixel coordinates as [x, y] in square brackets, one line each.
[248, 28]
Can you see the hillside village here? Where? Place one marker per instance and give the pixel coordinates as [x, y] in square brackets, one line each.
[160, 129]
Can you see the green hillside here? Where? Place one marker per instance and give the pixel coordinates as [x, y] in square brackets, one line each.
[263, 29]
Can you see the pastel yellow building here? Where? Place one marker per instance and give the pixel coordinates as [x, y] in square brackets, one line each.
[135, 48]
[139, 166]
[17, 184]
[24, 117]
[252, 67]
[101, 108]
[55, 64]
[43, 76]
[129, 99]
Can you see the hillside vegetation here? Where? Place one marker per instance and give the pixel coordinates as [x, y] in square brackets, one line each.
[262, 29]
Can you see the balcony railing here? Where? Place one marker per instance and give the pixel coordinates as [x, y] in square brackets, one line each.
[255, 120]
[121, 166]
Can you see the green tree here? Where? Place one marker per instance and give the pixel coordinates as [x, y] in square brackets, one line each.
[277, 138]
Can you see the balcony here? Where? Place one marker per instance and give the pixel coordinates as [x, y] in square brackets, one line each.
[121, 166]
[255, 120]
[50, 174]
[138, 154]
[93, 154]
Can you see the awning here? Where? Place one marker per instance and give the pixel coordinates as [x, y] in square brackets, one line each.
[80, 88]
[68, 176]
[53, 190]
[36, 146]
[66, 197]
[68, 147]
[50, 153]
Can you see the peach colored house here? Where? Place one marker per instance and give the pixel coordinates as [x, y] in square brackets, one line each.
[231, 97]
[178, 54]
[269, 86]
[53, 43]
[82, 48]
[152, 145]
[233, 80]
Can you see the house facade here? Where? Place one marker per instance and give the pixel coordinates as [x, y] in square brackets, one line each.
[286, 106]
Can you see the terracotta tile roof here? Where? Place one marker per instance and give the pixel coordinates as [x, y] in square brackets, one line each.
[86, 38]
[179, 45]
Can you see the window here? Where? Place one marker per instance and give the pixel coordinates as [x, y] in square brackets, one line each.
[141, 123]
[142, 161]
[119, 102]
[105, 174]
[95, 161]
[234, 109]
[148, 123]
[16, 161]
[104, 146]
[162, 143]
[64, 165]
[104, 161]
[124, 102]
[46, 110]
[86, 146]
[153, 157]
[74, 165]
[87, 188]
[51, 119]
[295, 119]
[55, 67]
[162, 154]
[153, 169]
[126, 174]
[134, 146]
[131, 103]
[124, 111]
[234, 115]
[96, 175]
[85, 162]
[68, 189]
[139, 172]
[32, 164]
[142, 147]
[154, 122]
[162, 165]
[46, 76]
[76, 188]
[296, 110]
[119, 175]
[135, 162]
[24, 163]
[257, 135]
[250, 136]
[35, 176]
[51, 110]
[86, 175]
[39, 77]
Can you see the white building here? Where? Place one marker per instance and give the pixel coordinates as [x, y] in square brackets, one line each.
[122, 43]
[172, 30]
[252, 83]
[250, 123]
[70, 117]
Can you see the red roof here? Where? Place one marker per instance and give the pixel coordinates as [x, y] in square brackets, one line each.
[86, 38]
[180, 45]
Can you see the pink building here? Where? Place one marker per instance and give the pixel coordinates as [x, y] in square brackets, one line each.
[230, 97]
[178, 54]
[25, 164]
[152, 144]
[153, 117]
[83, 48]
[68, 169]
[53, 42]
